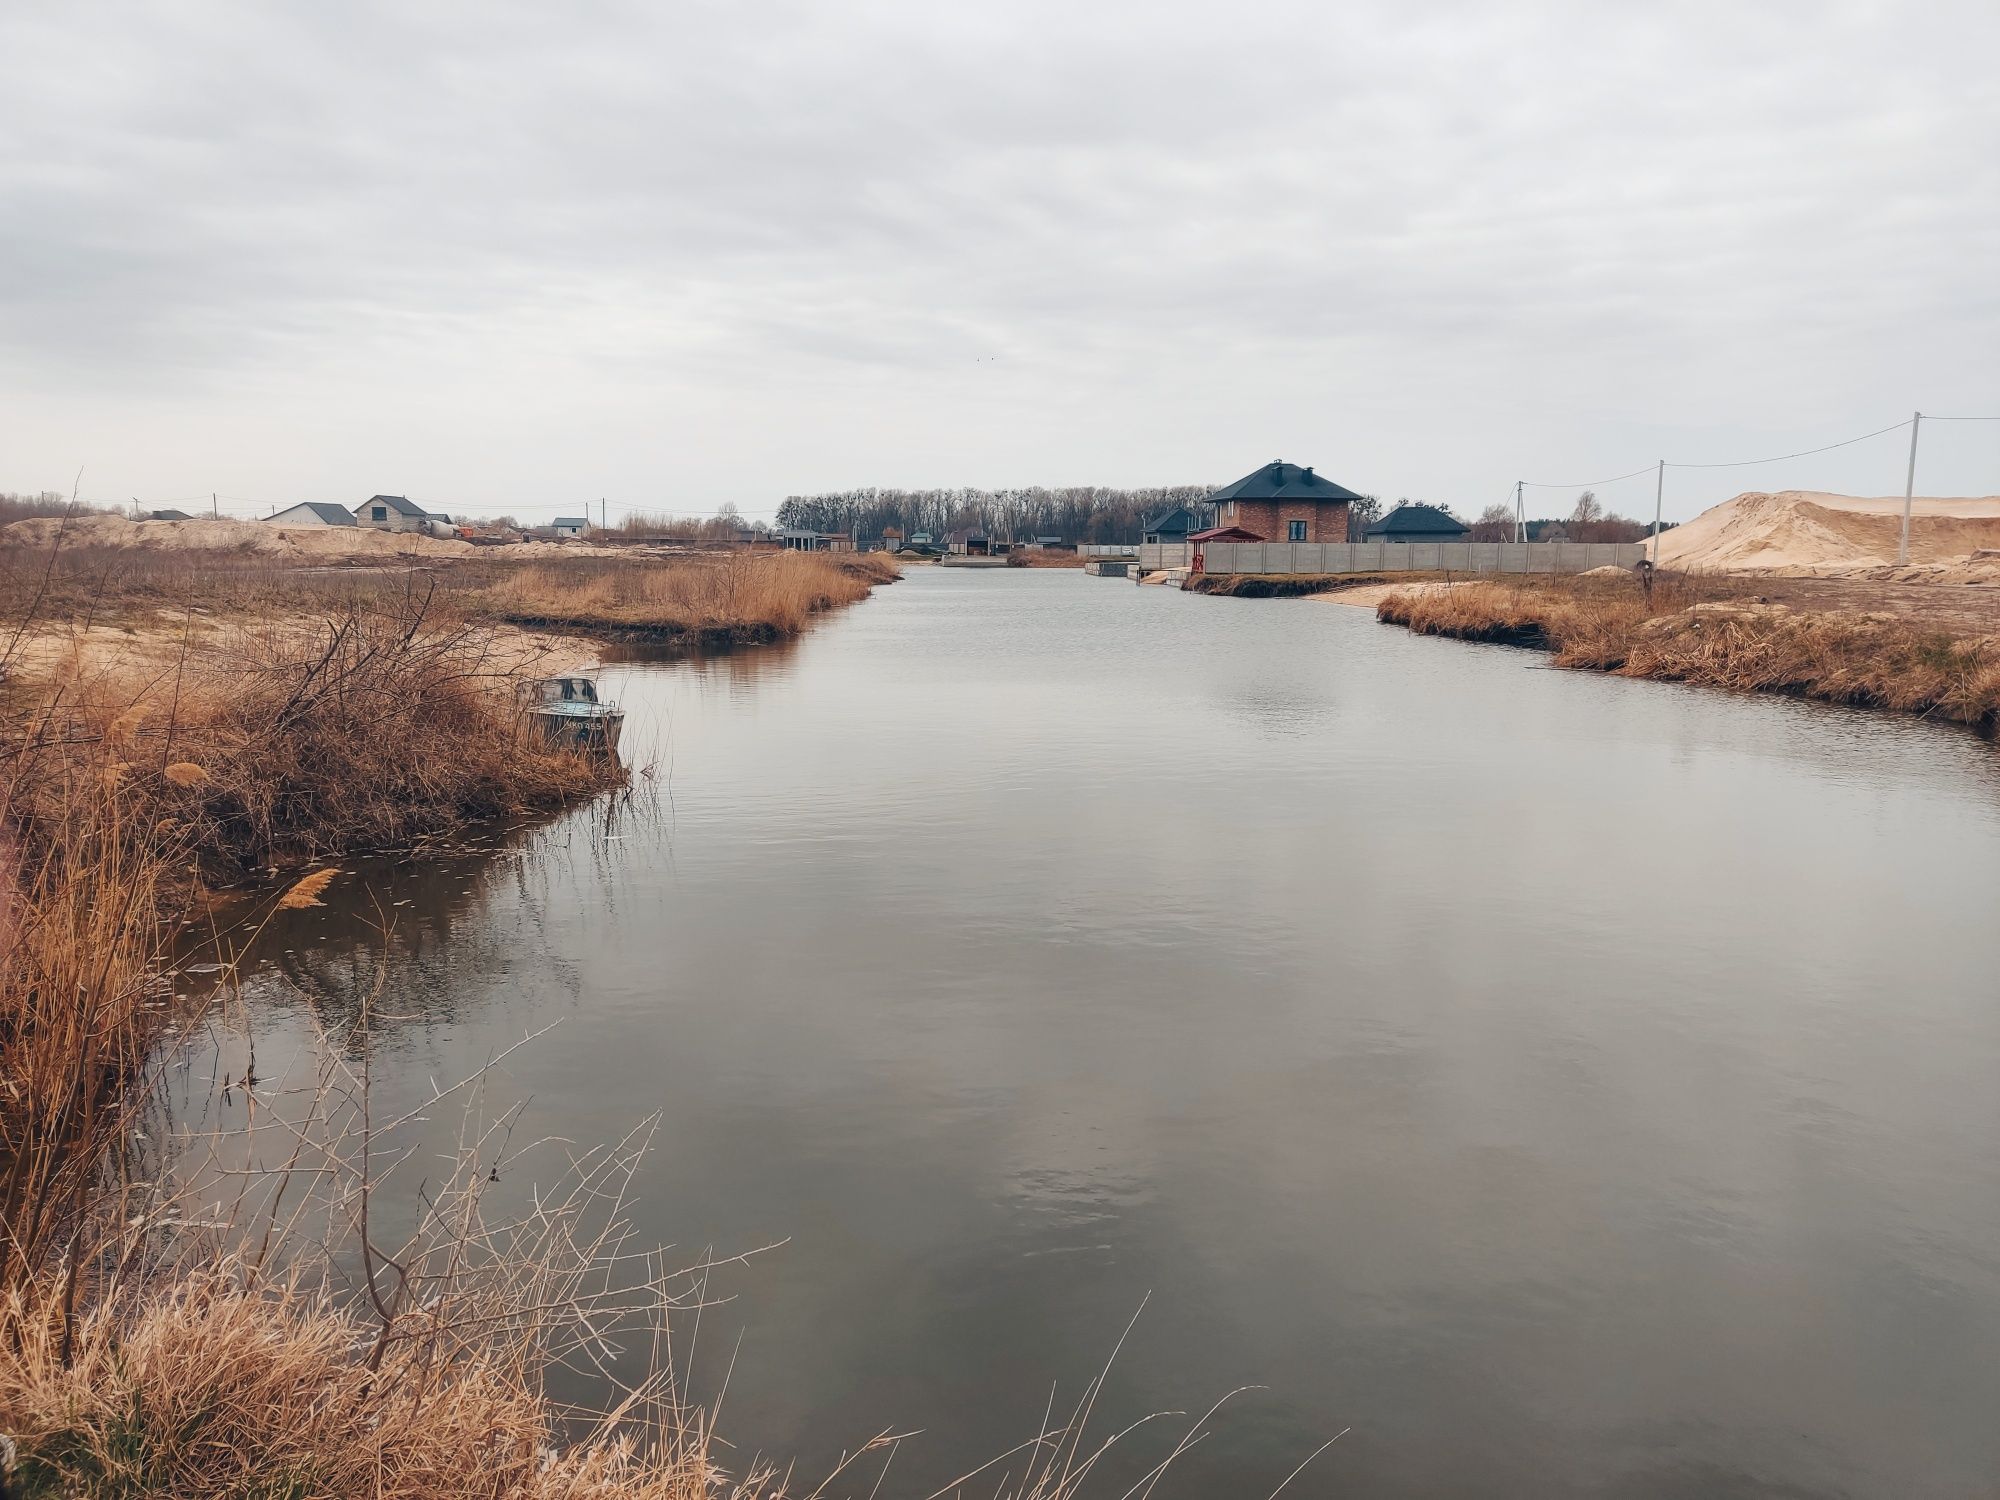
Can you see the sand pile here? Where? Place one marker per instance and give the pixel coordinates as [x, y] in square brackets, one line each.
[249, 538]
[1805, 532]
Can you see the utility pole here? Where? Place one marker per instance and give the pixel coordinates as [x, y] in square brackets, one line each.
[214, 509]
[1659, 494]
[1520, 515]
[1909, 489]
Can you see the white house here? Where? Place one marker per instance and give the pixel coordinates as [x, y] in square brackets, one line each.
[570, 525]
[312, 513]
[395, 513]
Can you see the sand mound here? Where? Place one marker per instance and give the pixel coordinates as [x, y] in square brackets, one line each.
[248, 538]
[1813, 532]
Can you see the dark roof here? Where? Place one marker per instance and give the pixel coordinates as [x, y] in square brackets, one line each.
[1225, 534]
[168, 515]
[967, 534]
[1279, 480]
[398, 503]
[1417, 520]
[1179, 519]
[333, 515]
[576, 521]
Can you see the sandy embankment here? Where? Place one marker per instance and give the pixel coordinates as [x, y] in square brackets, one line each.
[1811, 534]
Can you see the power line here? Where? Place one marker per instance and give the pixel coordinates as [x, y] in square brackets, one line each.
[1543, 484]
[1929, 418]
[1744, 463]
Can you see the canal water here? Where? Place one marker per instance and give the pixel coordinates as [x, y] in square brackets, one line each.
[1550, 1084]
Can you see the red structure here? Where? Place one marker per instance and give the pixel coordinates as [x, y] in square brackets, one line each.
[1218, 534]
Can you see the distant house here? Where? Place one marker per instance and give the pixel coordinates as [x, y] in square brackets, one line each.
[1169, 526]
[1282, 502]
[969, 541]
[1417, 523]
[570, 525]
[313, 513]
[922, 539]
[396, 513]
[168, 515]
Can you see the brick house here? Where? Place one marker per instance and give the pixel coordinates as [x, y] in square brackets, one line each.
[1282, 502]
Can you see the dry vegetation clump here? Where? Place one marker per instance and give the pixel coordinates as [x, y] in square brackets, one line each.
[1840, 656]
[734, 596]
[123, 795]
[1285, 585]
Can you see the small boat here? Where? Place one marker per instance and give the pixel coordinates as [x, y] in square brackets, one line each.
[567, 711]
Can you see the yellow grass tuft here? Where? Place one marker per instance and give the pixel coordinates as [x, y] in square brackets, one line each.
[306, 892]
[186, 773]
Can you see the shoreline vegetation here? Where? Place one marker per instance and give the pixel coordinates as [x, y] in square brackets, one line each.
[178, 725]
[1717, 633]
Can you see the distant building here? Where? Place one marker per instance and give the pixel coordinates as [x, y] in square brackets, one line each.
[313, 513]
[969, 541]
[396, 513]
[1417, 523]
[570, 525]
[1169, 526]
[1282, 502]
[168, 515]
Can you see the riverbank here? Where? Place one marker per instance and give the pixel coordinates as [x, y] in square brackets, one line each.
[177, 725]
[1938, 657]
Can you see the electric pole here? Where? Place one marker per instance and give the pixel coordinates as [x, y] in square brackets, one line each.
[1659, 494]
[1909, 489]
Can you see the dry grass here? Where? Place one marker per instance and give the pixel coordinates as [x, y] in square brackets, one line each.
[1610, 625]
[122, 797]
[731, 596]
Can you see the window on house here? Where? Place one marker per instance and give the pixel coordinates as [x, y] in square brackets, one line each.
[1296, 532]
[379, 513]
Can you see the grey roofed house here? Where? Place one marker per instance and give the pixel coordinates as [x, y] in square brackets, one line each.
[1417, 523]
[168, 515]
[1169, 526]
[570, 525]
[1283, 481]
[313, 513]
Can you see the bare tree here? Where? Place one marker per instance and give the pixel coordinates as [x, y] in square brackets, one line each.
[1495, 524]
[1362, 514]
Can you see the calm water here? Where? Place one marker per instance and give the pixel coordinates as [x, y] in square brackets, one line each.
[1562, 1085]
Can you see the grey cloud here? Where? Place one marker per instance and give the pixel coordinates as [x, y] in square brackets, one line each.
[1426, 246]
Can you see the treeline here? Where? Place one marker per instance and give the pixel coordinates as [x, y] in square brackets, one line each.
[1079, 513]
[1588, 522]
[15, 507]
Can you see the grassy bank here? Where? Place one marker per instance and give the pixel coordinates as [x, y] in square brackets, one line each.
[1284, 585]
[731, 597]
[1683, 633]
[130, 789]
[694, 599]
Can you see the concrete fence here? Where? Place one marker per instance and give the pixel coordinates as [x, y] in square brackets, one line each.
[1106, 549]
[1153, 556]
[1405, 557]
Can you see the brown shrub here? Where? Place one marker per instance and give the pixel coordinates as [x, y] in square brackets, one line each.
[750, 595]
[1874, 661]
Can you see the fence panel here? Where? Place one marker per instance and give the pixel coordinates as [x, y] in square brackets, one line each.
[1332, 558]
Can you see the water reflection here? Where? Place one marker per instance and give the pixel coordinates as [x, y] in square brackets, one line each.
[1508, 1065]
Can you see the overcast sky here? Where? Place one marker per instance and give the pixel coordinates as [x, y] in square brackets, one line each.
[512, 257]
